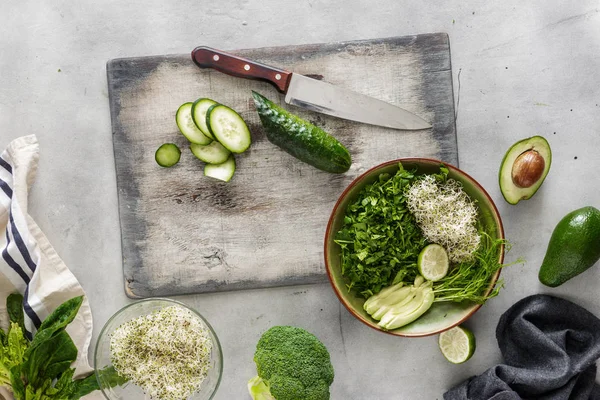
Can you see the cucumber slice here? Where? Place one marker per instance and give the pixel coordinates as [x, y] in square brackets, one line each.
[228, 128]
[223, 171]
[213, 153]
[167, 155]
[199, 109]
[188, 128]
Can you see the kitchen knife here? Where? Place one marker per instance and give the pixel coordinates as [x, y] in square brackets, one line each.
[312, 94]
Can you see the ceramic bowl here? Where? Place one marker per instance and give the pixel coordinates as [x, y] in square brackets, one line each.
[129, 391]
[441, 316]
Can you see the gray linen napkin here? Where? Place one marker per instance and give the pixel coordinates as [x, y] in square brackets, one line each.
[550, 347]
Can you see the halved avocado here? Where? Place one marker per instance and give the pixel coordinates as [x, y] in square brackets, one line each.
[524, 168]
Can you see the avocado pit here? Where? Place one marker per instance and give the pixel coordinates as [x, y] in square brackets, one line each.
[528, 169]
[524, 168]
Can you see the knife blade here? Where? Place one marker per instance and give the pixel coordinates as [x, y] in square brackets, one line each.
[312, 94]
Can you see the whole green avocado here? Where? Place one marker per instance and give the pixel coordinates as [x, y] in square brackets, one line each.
[573, 248]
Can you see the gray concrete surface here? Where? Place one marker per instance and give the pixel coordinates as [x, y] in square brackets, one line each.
[525, 68]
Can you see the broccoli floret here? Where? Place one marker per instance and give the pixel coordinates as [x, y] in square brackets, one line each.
[292, 364]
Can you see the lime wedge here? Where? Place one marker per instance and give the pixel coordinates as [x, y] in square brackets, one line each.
[457, 344]
[433, 262]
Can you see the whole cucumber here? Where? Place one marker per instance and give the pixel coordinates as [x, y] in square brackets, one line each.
[300, 138]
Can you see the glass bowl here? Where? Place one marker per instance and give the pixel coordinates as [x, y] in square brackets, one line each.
[441, 316]
[130, 391]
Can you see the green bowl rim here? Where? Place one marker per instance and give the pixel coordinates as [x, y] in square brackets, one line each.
[167, 300]
[358, 179]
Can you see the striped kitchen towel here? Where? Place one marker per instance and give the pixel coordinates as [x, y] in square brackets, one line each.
[29, 264]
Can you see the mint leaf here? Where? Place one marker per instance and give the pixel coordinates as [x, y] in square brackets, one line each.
[50, 359]
[56, 322]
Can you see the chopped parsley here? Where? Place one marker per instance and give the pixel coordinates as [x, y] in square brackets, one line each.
[165, 353]
[380, 240]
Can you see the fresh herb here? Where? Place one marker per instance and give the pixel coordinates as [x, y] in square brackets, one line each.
[41, 369]
[14, 307]
[470, 280]
[380, 240]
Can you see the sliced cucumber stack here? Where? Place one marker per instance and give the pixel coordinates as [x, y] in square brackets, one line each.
[223, 171]
[199, 109]
[228, 128]
[188, 127]
[167, 155]
[213, 153]
[214, 131]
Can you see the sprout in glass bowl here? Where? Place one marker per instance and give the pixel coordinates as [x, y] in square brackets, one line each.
[158, 348]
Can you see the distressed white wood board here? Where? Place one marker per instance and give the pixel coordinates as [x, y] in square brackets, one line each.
[182, 232]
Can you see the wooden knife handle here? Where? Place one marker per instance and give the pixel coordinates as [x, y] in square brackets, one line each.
[206, 57]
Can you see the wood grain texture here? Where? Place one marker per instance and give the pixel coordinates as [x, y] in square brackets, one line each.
[186, 233]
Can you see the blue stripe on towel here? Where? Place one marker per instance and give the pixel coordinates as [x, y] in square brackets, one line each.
[29, 311]
[6, 189]
[21, 245]
[5, 165]
[12, 263]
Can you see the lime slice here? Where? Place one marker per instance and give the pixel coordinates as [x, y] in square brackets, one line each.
[457, 344]
[433, 262]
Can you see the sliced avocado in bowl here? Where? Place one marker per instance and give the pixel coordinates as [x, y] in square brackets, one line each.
[524, 168]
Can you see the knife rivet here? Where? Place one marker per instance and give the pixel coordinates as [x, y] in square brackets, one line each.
[247, 67]
[278, 76]
[216, 57]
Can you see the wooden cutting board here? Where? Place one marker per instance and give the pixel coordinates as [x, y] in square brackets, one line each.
[185, 233]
